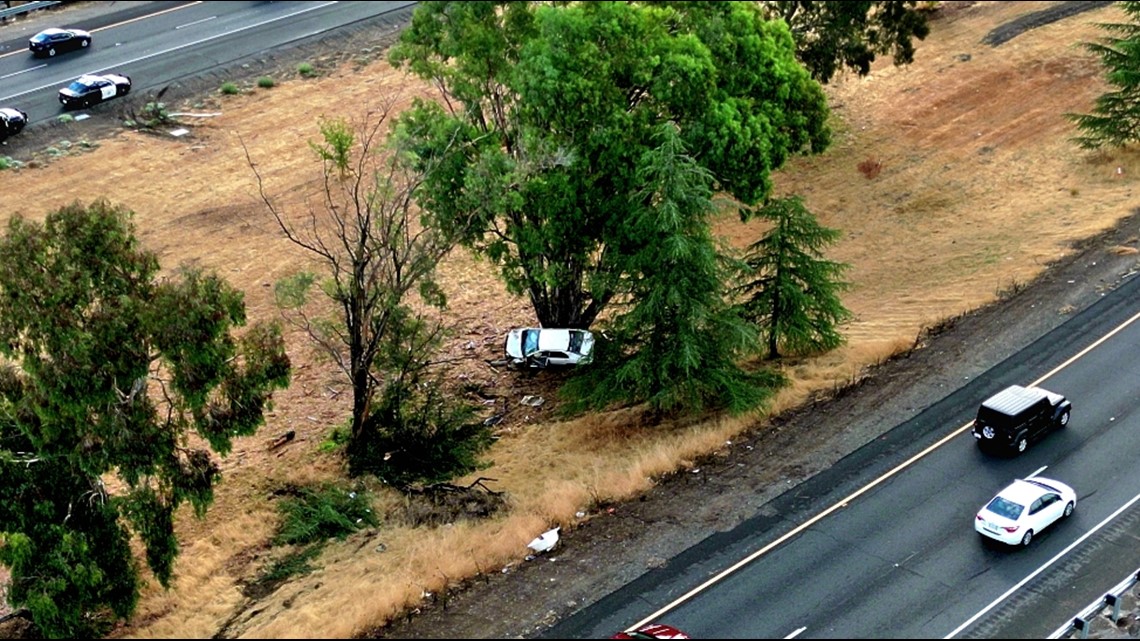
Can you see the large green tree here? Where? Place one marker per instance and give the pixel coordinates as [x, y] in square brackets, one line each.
[1115, 118]
[108, 370]
[831, 36]
[548, 107]
[792, 291]
[681, 343]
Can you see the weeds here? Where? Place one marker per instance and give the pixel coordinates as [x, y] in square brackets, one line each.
[296, 563]
[306, 70]
[265, 82]
[870, 168]
[229, 89]
[317, 514]
[1012, 289]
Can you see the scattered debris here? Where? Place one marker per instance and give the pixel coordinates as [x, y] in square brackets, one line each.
[533, 401]
[545, 541]
[282, 439]
[494, 420]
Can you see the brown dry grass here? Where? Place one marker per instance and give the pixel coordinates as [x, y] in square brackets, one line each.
[975, 189]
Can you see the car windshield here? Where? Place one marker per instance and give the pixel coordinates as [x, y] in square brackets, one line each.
[79, 86]
[530, 341]
[1005, 507]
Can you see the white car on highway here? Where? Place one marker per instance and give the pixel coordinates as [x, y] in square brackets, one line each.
[1025, 508]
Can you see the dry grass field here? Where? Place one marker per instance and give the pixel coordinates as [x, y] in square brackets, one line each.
[975, 188]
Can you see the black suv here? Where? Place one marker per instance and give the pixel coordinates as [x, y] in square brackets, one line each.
[1010, 419]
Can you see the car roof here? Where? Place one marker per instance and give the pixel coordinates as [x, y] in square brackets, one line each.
[549, 338]
[1014, 399]
[52, 31]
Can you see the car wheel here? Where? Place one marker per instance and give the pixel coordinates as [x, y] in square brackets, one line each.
[51, 52]
[1027, 538]
[84, 43]
[1069, 510]
[1022, 444]
[1063, 419]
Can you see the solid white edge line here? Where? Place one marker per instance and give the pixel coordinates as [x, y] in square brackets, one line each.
[1039, 470]
[796, 633]
[1041, 569]
[861, 491]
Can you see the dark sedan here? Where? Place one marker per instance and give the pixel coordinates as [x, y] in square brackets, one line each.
[52, 41]
[12, 122]
[90, 90]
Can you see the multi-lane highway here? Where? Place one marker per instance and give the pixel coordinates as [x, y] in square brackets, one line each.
[159, 43]
[883, 543]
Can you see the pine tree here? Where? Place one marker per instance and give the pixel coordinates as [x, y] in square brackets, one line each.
[1115, 120]
[794, 292]
[678, 341]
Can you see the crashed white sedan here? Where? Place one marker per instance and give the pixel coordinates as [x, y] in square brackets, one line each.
[1024, 508]
[541, 347]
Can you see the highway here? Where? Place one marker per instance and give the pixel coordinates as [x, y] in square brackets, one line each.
[879, 546]
[164, 42]
[882, 545]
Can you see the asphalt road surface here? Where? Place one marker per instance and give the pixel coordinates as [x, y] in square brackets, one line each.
[159, 43]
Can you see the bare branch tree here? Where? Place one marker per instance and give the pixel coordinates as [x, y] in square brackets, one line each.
[370, 235]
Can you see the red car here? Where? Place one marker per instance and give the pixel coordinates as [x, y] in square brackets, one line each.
[652, 631]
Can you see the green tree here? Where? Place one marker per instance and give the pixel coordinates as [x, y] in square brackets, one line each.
[547, 109]
[108, 370]
[377, 252]
[834, 35]
[793, 294]
[681, 342]
[1115, 119]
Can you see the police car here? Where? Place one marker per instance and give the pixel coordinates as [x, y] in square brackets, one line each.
[90, 90]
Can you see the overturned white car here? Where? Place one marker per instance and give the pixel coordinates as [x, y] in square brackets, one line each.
[541, 347]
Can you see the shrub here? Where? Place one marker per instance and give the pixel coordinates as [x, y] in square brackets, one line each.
[229, 88]
[338, 437]
[66, 118]
[320, 513]
[265, 82]
[420, 433]
[155, 114]
[7, 162]
[306, 69]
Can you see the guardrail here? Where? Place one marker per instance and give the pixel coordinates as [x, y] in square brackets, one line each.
[27, 7]
[1083, 621]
